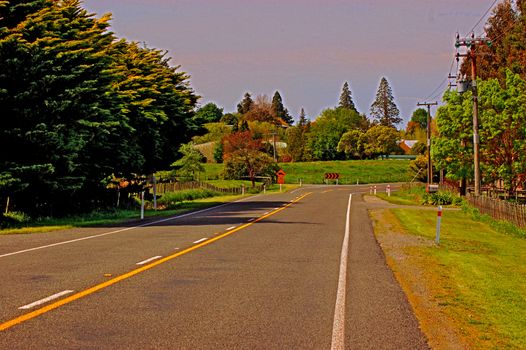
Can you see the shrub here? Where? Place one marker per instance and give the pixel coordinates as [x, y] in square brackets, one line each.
[441, 198]
[13, 219]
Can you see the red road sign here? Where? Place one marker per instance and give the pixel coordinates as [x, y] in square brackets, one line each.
[332, 176]
[281, 176]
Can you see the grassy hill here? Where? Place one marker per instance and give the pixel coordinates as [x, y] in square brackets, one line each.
[351, 171]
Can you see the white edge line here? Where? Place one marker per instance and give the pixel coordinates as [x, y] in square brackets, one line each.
[338, 327]
[231, 228]
[201, 240]
[126, 229]
[45, 300]
[148, 260]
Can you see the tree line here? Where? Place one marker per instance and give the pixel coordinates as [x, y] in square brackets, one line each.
[80, 106]
[262, 132]
[502, 107]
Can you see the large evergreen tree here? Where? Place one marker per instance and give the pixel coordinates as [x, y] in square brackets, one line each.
[56, 100]
[346, 98]
[384, 110]
[506, 30]
[297, 139]
[246, 104]
[158, 105]
[78, 107]
[279, 111]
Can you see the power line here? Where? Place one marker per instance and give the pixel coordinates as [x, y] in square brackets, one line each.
[436, 92]
[483, 16]
[436, 89]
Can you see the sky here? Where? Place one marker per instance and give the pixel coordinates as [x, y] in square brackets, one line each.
[305, 49]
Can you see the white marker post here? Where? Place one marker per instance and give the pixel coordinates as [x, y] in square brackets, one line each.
[154, 193]
[370, 189]
[439, 218]
[388, 190]
[243, 189]
[142, 205]
[375, 190]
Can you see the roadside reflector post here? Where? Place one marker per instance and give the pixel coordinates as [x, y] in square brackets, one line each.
[7, 206]
[388, 190]
[142, 205]
[439, 219]
[264, 189]
[243, 189]
[281, 187]
[370, 189]
[154, 192]
[375, 190]
[300, 182]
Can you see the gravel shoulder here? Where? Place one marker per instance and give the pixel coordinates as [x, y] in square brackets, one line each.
[409, 269]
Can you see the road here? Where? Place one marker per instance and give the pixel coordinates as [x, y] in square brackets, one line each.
[298, 270]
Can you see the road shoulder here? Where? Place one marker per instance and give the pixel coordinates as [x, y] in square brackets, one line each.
[417, 285]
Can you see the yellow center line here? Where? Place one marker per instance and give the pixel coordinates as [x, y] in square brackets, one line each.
[71, 298]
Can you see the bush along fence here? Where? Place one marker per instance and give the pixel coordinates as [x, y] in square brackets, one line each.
[168, 187]
[499, 209]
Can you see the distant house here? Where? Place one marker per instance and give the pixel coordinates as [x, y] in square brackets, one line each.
[407, 145]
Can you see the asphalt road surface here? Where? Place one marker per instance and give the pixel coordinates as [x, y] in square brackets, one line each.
[298, 270]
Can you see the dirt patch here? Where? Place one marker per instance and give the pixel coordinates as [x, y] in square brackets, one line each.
[408, 266]
[374, 200]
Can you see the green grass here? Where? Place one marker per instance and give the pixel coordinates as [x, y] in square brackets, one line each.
[232, 183]
[115, 217]
[405, 196]
[351, 171]
[480, 272]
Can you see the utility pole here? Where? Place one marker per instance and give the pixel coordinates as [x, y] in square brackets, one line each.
[274, 145]
[429, 165]
[471, 43]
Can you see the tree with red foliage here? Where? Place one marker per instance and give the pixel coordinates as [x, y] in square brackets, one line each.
[243, 156]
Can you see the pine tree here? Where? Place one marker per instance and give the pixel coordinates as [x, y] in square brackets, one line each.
[346, 99]
[384, 110]
[279, 111]
[245, 105]
[302, 118]
[297, 138]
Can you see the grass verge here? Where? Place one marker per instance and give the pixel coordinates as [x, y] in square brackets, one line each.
[475, 279]
[115, 217]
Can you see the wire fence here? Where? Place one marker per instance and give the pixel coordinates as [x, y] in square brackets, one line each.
[500, 209]
[166, 187]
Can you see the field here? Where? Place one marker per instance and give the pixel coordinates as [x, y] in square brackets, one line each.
[476, 277]
[351, 171]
